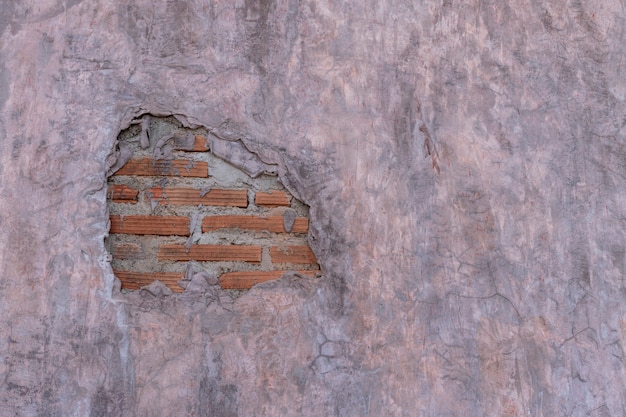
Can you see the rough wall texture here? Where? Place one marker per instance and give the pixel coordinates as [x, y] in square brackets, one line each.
[464, 162]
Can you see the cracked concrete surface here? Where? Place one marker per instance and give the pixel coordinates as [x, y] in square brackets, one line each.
[464, 165]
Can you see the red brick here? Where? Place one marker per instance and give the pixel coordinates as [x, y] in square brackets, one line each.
[193, 196]
[273, 224]
[122, 194]
[135, 280]
[244, 280]
[210, 253]
[272, 199]
[176, 167]
[292, 254]
[127, 251]
[150, 225]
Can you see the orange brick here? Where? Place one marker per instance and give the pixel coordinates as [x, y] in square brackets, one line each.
[127, 251]
[244, 280]
[272, 199]
[176, 167]
[135, 280]
[122, 194]
[292, 254]
[210, 253]
[273, 224]
[150, 225]
[193, 196]
[200, 144]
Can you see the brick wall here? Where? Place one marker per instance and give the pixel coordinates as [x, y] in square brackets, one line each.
[191, 209]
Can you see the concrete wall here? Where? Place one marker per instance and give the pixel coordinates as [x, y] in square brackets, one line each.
[463, 162]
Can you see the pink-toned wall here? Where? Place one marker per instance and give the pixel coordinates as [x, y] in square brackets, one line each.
[463, 165]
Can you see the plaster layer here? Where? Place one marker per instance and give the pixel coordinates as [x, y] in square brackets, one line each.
[464, 165]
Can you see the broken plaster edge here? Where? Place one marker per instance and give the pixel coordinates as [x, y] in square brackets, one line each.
[111, 290]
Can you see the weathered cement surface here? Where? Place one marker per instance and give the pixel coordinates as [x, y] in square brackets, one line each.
[465, 165]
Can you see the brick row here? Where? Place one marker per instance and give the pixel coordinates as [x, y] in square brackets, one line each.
[278, 254]
[193, 196]
[272, 199]
[210, 253]
[179, 226]
[122, 194]
[136, 280]
[176, 167]
[292, 254]
[244, 280]
[273, 224]
[150, 225]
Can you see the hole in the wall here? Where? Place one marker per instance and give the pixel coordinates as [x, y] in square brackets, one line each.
[182, 209]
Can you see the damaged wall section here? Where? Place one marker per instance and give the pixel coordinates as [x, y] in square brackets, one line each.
[180, 204]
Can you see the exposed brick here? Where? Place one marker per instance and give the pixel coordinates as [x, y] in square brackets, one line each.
[181, 143]
[135, 280]
[200, 144]
[292, 254]
[272, 199]
[176, 167]
[193, 196]
[273, 224]
[244, 280]
[256, 225]
[210, 253]
[150, 225]
[122, 194]
[127, 251]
